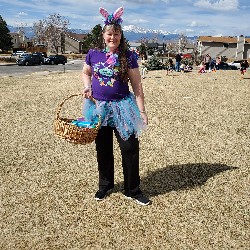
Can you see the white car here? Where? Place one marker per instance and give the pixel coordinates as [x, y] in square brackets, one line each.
[235, 63]
[19, 53]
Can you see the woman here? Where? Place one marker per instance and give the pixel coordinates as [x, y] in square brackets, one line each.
[106, 75]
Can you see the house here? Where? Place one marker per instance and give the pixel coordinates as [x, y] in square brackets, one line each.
[73, 42]
[134, 45]
[20, 41]
[225, 46]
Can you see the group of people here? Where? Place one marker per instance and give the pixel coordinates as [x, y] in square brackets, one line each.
[210, 64]
[178, 66]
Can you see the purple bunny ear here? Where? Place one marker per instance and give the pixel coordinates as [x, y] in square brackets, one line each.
[104, 12]
[118, 13]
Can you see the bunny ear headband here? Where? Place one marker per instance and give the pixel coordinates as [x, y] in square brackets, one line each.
[114, 18]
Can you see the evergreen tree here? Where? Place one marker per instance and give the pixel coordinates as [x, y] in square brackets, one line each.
[93, 39]
[5, 38]
[143, 50]
[154, 63]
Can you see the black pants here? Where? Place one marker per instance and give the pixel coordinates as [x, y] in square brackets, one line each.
[130, 161]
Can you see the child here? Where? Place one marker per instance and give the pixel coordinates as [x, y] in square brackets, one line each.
[182, 67]
[243, 68]
[170, 66]
[202, 68]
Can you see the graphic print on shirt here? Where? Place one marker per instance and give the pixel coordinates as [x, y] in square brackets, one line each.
[107, 72]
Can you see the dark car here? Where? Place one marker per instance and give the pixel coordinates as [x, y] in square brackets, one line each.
[43, 54]
[30, 59]
[56, 59]
[226, 66]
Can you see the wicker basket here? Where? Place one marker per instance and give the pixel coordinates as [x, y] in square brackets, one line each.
[72, 133]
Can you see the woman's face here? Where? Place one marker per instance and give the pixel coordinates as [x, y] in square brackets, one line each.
[112, 38]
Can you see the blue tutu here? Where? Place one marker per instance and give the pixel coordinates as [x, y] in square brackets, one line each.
[122, 114]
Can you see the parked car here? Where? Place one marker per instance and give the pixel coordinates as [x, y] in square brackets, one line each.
[56, 59]
[236, 63]
[226, 66]
[19, 53]
[43, 54]
[30, 59]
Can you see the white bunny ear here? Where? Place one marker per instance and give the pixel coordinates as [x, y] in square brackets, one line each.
[118, 13]
[104, 12]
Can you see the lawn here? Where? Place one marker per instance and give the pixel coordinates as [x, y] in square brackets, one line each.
[194, 166]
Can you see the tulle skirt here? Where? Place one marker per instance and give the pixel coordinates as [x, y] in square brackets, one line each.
[122, 114]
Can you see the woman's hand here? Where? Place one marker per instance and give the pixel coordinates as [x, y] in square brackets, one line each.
[87, 92]
[86, 77]
[144, 117]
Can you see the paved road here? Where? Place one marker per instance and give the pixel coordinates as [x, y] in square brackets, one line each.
[15, 70]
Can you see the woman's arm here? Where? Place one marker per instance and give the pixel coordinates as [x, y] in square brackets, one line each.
[135, 79]
[86, 77]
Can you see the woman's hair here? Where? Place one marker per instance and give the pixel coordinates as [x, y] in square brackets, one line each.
[123, 72]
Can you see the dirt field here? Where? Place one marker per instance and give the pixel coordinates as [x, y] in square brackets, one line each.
[195, 159]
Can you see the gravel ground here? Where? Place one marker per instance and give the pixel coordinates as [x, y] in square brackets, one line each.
[194, 163]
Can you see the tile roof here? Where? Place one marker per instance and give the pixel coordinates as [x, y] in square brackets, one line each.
[221, 39]
[77, 37]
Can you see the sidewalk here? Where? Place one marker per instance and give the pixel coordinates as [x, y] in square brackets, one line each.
[7, 63]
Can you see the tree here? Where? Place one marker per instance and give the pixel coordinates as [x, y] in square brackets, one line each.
[5, 38]
[39, 32]
[93, 39]
[143, 50]
[182, 43]
[51, 31]
[154, 63]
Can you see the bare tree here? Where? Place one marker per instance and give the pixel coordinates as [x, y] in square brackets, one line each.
[182, 42]
[39, 33]
[51, 32]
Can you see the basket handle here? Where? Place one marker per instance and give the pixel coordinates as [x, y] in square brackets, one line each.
[65, 99]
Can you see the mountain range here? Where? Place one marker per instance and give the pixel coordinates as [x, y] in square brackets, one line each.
[131, 32]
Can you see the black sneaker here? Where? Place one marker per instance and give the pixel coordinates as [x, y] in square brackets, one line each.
[141, 200]
[101, 194]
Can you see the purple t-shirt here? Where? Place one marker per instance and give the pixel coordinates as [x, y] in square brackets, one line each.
[106, 83]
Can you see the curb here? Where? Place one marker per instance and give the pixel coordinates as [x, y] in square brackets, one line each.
[7, 64]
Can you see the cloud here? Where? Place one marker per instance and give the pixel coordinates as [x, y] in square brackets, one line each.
[138, 21]
[222, 5]
[22, 14]
[189, 31]
[127, 1]
[197, 24]
[193, 24]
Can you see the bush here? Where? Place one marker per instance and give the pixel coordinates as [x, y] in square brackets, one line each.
[187, 61]
[7, 59]
[154, 63]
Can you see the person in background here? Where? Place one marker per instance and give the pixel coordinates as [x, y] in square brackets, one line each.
[207, 60]
[218, 61]
[212, 65]
[243, 68]
[177, 62]
[202, 68]
[109, 69]
[170, 66]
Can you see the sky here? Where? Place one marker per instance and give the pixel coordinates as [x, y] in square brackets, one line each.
[189, 17]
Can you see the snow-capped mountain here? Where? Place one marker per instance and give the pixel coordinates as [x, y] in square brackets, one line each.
[135, 29]
[135, 33]
[132, 33]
